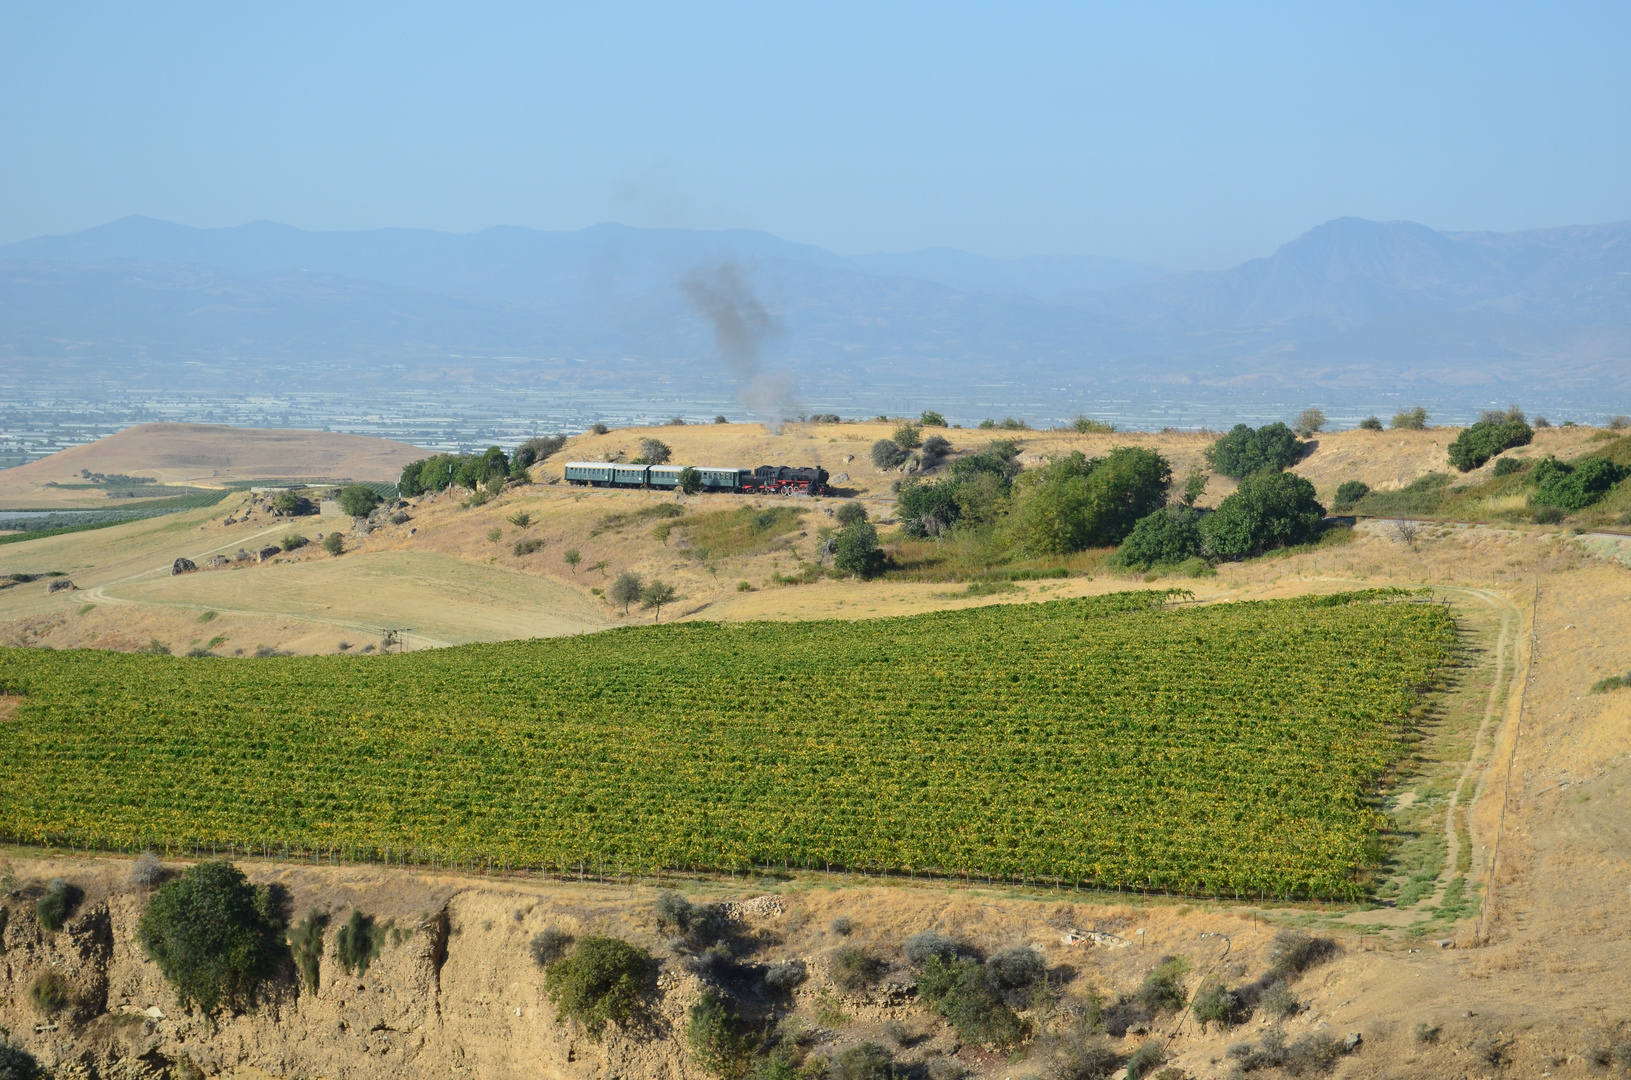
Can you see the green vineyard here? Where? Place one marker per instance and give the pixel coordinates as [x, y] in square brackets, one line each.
[1113, 741]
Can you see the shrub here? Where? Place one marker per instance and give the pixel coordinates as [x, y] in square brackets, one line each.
[18, 1064]
[1574, 486]
[1078, 502]
[1148, 1056]
[655, 594]
[720, 419]
[306, 945]
[1244, 451]
[930, 418]
[213, 935]
[868, 1061]
[1619, 423]
[961, 991]
[785, 975]
[1613, 682]
[1014, 975]
[626, 589]
[334, 543]
[48, 993]
[602, 981]
[53, 909]
[1540, 422]
[1483, 440]
[854, 968]
[597, 428]
[842, 925]
[714, 1035]
[1162, 989]
[538, 448]
[1427, 1034]
[1309, 422]
[1414, 419]
[1217, 1004]
[1295, 951]
[358, 500]
[908, 436]
[1506, 466]
[928, 508]
[1270, 509]
[1548, 515]
[690, 480]
[935, 449]
[849, 513]
[1166, 537]
[887, 454]
[857, 551]
[527, 545]
[520, 519]
[930, 943]
[674, 912]
[495, 534]
[1278, 1000]
[1312, 1054]
[1084, 1059]
[357, 943]
[653, 452]
[1350, 492]
[1087, 426]
[146, 871]
[549, 945]
[293, 542]
[1371, 423]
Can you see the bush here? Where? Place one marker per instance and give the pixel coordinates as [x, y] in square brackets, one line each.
[1610, 684]
[334, 543]
[930, 418]
[785, 975]
[1084, 1059]
[1414, 419]
[690, 480]
[1506, 466]
[887, 454]
[854, 968]
[306, 945]
[1148, 1056]
[1278, 1000]
[1548, 515]
[626, 589]
[1244, 451]
[714, 1035]
[1014, 975]
[849, 513]
[1270, 509]
[602, 981]
[908, 436]
[655, 594]
[842, 925]
[1084, 425]
[598, 428]
[1217, 1004]
[1574, 486]
[146, 871]
[1077, 502]
[549, 945]
[1477, 444]
[961, 991]
[653, 452]
[48, 994]
[1166, 537]
[1372, 423]
[868, 1061]
[18, 1064]
[935, 449]
[674, 912]
[930, 943]
[1309, 422]
[357, 943]
[1162, 989]
[538, 448]
[213, 935]
[527, 545]
[857, 551]
[293, 542]
[1295, 951]
[53, 909]
[1350, 492]
[358, 500]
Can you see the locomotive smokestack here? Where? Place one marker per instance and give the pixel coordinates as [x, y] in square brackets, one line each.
[741, 324]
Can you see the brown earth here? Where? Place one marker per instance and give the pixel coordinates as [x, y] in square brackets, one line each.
[202, 455]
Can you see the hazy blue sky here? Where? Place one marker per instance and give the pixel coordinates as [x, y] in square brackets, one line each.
[1189, 136]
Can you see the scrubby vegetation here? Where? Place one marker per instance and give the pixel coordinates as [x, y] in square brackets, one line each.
[51, 911]
[1488, 437]
[713, 1033]
[306, 945]
[603, 980]
[485, 470]
[1245, 450]
[215, 937]
[357, 944]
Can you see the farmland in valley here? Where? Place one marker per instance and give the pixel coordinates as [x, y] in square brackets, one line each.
[1114, 741]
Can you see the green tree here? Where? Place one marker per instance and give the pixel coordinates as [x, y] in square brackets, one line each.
[572, 558]
[358, 500]
[653, 452]
[1413, 419]
[216, 937]
[1077, 502]
[334, 543]
[1244, 451]
[1371, 423]
[655, 595]
[908, 436]
[714, 1035]
[1577, 486]
[887, 454]
[1350, 492]
[849, 513]
[1168, 536]
[1270, 509]
[1309, 422]
[626, 589]
[930, 418]
[857, 551]
[1195, 486]
[928, 508]
[1477, 444]
[690, 480]
[602, 981]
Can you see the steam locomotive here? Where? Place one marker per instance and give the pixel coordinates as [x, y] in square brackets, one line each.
[765, 480]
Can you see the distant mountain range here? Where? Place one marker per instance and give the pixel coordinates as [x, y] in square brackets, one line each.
[1350, 306]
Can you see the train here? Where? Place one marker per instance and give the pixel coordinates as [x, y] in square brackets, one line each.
[765, 480]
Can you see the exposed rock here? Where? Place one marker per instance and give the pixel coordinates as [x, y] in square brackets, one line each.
[265, 554]
[60, 585]
[241, 556]
[217, 561]
[182, 566]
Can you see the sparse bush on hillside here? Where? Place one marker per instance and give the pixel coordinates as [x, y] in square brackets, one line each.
[1085, 425]
[842, 925]
[214, 936]
[1371, 423]
[1015, 974]
[714, 1035]
[1548, 515]
[653, 452]
[784, 976]
[602, 981]
[690, 480]
[961, 991]
[597, 428]
[293, 542]
[1278, 1001]
[930, 418]
[857, 551]
[1244, 451]
[538, 448]
[849, 513]
[908, 436]
[868, 1061]
[59, 901]
[887, 454]
[1269, 510]
[358, 500]
[528, 545]
[1309, 422]
[854, 968]
[1483, 440]
[1295, 951]
[654, 595]
[1217, 1004]
[1413, 419]
[146, 871]
[1162, 990]
[306, 946]
[357, 944]
[1506, 466]
[1165, 538]
[1350, 492]
[49, 993]
[930, 943]
[674, 912]
[626, 589]
[334, 543]
[1147, 1057]
[548, 945]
